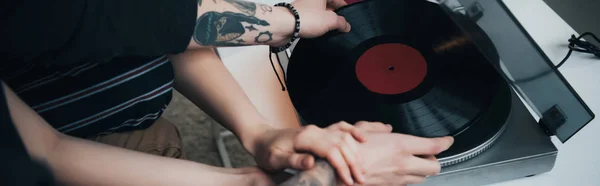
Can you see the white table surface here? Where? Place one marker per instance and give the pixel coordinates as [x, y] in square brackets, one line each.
[578, 162]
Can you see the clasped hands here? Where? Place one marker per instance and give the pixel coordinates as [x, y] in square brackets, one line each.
[366, 153]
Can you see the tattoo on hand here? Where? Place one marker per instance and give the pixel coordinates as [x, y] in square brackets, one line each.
[320, 175]
[266, 8]
[219, 29]
[244, 6]
[263, 37]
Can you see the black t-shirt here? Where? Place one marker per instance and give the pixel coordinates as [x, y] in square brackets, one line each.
[77, 31]
[72, 31]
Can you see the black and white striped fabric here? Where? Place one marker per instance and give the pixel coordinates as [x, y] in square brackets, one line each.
[96, 98]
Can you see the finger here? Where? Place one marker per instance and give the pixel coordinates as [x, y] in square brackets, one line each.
[347, 127]
[411, 179]
[338, 23]
[420, 167]
[373, 126]
[343, 25]
[354, 148]
[349, 151]
[310, 139]
[427, 146]
[300, 161]
[325, 149]
[279, 159]
[353, 165]
[336, 159]
[360, 159]
[335, 4]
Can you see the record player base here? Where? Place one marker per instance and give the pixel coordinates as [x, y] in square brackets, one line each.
[523, 150]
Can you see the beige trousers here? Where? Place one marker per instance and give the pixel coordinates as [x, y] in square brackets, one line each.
[162, 139]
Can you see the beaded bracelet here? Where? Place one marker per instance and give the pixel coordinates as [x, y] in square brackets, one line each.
[296, 29]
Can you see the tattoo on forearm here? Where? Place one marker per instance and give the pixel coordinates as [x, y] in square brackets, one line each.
[320, 175]
[266, 8]
[251, 28]
[244, 6]
[220, 29]
[264, 37]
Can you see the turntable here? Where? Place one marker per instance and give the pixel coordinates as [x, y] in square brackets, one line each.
[464, 68]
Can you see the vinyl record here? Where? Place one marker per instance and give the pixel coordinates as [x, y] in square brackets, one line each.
[404, 63]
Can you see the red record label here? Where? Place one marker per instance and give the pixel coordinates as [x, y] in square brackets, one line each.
[391, 68]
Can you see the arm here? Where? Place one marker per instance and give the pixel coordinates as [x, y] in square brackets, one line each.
[202, 78]
[240, 23]
[79, 162]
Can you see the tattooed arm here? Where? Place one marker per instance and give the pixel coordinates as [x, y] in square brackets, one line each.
[241, 23]
[322, 174]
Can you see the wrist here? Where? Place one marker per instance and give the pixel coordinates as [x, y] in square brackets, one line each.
[252, 176]
[251, 137]
[285, 18]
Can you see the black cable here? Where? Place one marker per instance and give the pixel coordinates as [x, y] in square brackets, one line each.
[282, 70]
[576, 44]
[275, 70]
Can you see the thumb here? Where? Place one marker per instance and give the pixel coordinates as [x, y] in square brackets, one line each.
[444, 143]
[300, 161]
[339, 23]
[335, 4]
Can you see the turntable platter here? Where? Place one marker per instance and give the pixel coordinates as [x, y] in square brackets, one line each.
[404, 63]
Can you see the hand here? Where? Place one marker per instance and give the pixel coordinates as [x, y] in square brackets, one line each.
[399, 159]
[281, 148]
[317, 17]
